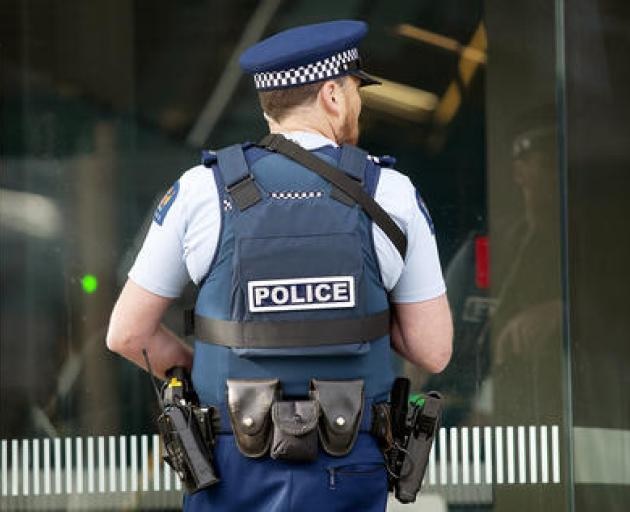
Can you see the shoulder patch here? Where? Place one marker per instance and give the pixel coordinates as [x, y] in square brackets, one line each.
[166, 203]
[425, 211]
[384, 161]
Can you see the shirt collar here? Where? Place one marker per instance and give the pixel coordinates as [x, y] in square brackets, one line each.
[309, 140]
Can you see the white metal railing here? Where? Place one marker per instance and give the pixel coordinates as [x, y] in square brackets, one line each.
[463, 456]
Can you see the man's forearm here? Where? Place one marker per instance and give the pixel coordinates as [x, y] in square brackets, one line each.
[135, 324]
[164, 348]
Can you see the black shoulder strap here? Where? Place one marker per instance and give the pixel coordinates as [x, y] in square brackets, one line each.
[352, 188]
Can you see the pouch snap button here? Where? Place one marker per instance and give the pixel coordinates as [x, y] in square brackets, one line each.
[248, 421]
[340, 421]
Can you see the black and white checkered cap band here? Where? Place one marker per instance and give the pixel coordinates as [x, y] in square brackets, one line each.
[328, 68]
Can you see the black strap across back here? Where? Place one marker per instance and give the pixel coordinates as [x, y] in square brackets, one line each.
[350, 187]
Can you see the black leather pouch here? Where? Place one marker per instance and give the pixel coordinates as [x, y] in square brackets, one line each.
[295, 430]
[249, 405]
[341, 404]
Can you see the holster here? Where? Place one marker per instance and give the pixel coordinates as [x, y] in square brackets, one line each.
[341, 404]
[249, 405]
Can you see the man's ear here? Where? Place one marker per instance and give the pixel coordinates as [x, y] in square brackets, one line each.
[330, 98]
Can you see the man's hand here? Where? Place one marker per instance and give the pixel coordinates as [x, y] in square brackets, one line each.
[422, 333]
[136, 324]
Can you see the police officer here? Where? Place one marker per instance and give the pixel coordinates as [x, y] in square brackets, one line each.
[296, 282]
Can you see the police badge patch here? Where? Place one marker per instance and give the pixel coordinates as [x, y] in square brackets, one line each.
[306, 293]
[165, 204]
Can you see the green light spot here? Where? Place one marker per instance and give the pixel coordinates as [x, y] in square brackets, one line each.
[89, 283]
[417, 399]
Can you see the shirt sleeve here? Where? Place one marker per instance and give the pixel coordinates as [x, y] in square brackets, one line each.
[160, 266]
[421, 277]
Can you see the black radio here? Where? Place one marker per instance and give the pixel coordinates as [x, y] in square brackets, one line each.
[186, 430]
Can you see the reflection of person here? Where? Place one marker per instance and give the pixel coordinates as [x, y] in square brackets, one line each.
[291, 258]
[527, 324]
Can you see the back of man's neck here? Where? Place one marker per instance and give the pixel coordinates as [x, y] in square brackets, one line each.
[295, 125]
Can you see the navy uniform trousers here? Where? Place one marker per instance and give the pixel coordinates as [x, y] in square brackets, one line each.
[354, 483]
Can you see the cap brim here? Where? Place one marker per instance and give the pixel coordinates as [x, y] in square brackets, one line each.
[365, 78]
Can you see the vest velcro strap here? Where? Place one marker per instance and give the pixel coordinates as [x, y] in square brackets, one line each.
[245, 193]
[304, 333]
[239, 181]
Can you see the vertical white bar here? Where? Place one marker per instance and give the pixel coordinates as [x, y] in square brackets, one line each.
[155, 446]
[36, 467]
[476, 456]
[487, 452]
[90, 464]
[432, 472]
[123, 463]
[25, 467]
[522, 456]
[4, 473]
[47, 466]
[498, 439]
[57, 450]
[555, 453]
[454, 457]
[15, 467]
[178, 482]
[101, 464]
[443, 454]
[167, 477]
[465, 457]
[509, 449]
[533, 459]
[544, 455]
[144, 450]
[112, 463]
[78, 448]
[134, 463]
[68, 460]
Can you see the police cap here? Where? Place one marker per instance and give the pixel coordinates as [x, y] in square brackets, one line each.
[307, 54]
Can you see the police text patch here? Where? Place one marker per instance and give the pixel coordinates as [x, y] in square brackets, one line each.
[335, 292]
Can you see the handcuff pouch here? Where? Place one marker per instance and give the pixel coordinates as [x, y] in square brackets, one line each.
[249, 406]
[341, 404]
[295, 430]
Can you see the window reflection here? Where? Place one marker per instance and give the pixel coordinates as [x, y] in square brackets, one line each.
[102, 102]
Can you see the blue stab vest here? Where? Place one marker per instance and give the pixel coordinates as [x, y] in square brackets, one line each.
[297, 255]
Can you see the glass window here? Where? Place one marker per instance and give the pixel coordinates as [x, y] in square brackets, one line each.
[106, 103]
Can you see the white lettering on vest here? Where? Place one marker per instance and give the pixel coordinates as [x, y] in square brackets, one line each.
[261, 294]
[340, 292]
[295, 297]
[319, 295]
[302, 293]
[279, 295]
